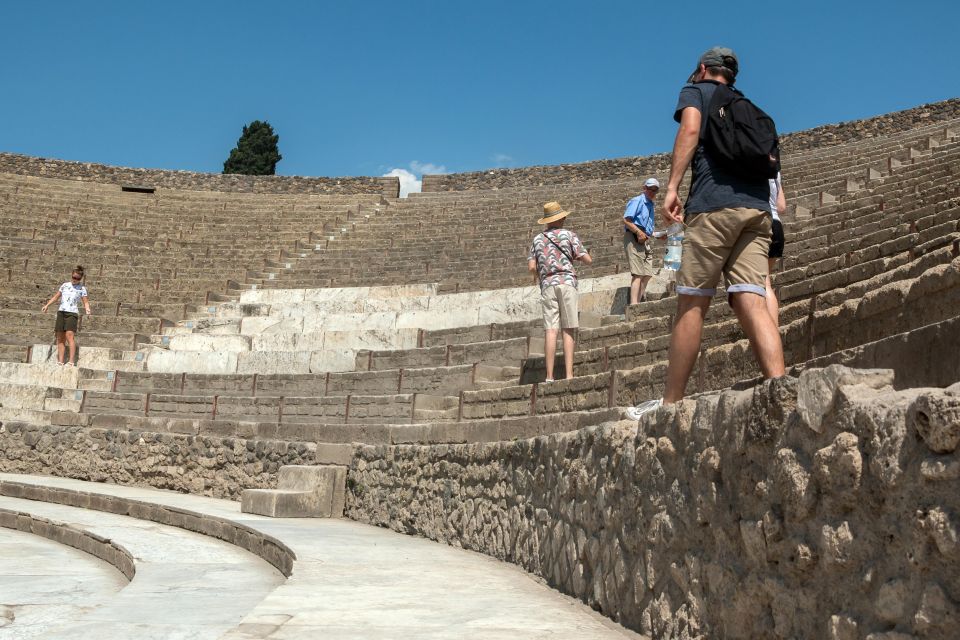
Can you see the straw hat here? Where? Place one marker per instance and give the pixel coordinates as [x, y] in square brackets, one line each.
[552, 211]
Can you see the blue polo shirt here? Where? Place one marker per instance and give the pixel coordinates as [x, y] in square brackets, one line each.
[639, 211]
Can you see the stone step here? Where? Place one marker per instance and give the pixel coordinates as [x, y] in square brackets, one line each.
[302, 492]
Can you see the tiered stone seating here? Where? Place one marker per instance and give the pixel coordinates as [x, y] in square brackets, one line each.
[416, 336]
[151, 259]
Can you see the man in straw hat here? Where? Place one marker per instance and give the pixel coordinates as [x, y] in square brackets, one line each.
[728, 232]
[551, 261]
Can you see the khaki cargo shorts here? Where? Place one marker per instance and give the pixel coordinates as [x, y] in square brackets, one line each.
[732, 242]
[639, 255]
[559, 307]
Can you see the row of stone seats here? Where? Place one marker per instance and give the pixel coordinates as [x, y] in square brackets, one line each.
[472, 242]
[151, 259]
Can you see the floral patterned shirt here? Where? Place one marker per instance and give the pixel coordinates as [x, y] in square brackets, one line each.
[554, 263]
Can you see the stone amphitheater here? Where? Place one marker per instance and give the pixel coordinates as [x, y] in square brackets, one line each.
[262, 348]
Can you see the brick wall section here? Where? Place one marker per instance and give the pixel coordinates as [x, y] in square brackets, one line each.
[818, 507]
[635, 167]
[193, 181]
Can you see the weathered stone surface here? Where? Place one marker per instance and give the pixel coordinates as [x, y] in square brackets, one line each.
[725, 516]
[208, 465]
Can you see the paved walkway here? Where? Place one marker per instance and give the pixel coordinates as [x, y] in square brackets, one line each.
[355, 581]
[42, 582]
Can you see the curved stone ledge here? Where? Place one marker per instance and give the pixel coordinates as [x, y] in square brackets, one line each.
[250, 539]
[801, 507]
[72, 536]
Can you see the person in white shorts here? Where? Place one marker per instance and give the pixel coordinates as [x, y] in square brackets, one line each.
[550, 260]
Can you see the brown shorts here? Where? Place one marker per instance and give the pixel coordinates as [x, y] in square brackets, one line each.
[66, 321]
[732, 242]
[639, 255]
[560, 307]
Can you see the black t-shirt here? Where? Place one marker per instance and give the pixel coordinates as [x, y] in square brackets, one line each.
[713, 188]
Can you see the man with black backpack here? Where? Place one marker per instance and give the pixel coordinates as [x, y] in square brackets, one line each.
[732, 146]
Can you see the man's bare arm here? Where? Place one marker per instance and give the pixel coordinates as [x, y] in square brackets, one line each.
[684, 146]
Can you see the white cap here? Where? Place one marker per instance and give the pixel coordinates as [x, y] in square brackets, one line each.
[652, 182]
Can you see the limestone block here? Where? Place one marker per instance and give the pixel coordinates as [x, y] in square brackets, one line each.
[936, 612]
[941, 528]
[936, 417]
[439, 320]
[18, 396]
[817, 387]
[211, 362]
[836, 545]
[268, 362]
[838, 467]
[332, 360]
[842, 628]
[892, 601]
[271, 324]
[204, 342]
[283, 341]
[272, 296]
[371, 339]
[383, 320]
[39, 374]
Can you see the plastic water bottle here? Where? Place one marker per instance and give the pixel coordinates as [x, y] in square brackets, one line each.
[671, 261]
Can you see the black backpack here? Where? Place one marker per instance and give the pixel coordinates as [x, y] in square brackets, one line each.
[739, 136]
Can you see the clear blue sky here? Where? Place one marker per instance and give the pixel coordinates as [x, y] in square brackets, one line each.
[361, 87]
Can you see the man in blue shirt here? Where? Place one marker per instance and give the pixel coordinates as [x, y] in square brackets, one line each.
[637, 238]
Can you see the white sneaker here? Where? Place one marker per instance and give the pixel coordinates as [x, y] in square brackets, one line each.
[642, 409]
[549, 380]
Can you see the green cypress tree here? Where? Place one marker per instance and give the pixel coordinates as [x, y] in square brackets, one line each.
[256, 153]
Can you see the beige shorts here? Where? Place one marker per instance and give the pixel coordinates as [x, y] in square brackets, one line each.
[559, 307]
[639, 255]
[732, 242]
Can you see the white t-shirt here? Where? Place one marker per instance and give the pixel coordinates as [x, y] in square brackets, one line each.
[70, 295]
[775, 186]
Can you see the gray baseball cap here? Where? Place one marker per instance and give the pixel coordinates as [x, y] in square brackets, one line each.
[717, 57]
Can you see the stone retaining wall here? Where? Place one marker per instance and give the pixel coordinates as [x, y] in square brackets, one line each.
[637, 167]
[818, 507]
[207, 465]
[193, 181]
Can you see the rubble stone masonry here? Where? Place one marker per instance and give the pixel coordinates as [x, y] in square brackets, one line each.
[824, 506]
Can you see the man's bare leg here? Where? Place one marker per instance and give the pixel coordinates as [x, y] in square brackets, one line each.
[762, 331]
[644, 281]
[549, 350]
[773, 305]
[635, 287]
[684, 344]
[569, 345]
